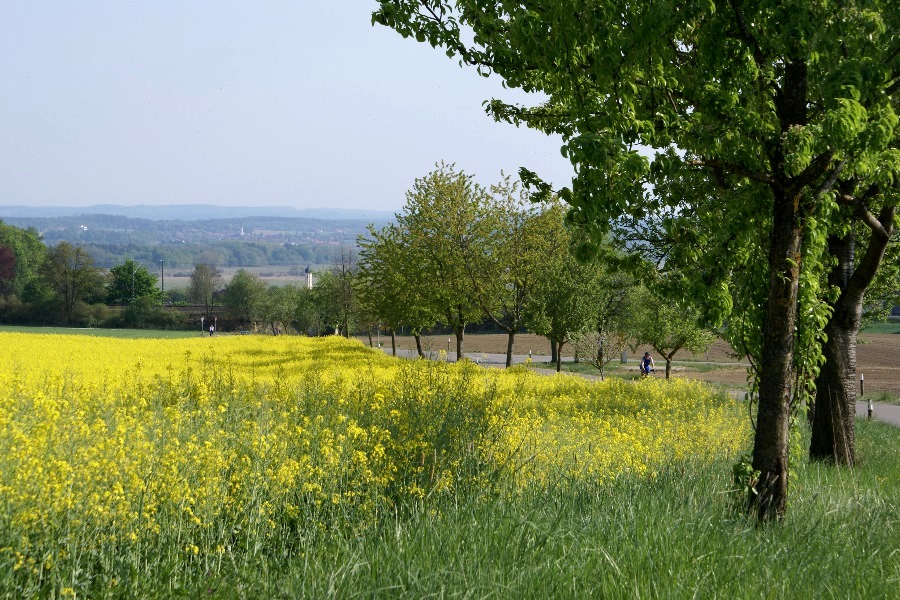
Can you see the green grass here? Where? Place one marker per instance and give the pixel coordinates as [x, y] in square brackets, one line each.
[674, 537]
[881, 398]
[677, 536]
[117, 333]
[889, 327]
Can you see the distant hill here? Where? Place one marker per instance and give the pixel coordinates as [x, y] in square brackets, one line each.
[195, 212]
[217, 236]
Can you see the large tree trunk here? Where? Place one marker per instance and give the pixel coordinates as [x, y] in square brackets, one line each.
[393, 343]
[770, 446]
[833, 435]
[460, 333]
[835, 408]
[833, 429]
[509, 347]
[419, 345]
[554, 352]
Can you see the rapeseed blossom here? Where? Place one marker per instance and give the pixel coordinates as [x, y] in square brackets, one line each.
[112, 441]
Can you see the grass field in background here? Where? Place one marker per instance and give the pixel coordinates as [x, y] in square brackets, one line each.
[892, 326]
[114, 333]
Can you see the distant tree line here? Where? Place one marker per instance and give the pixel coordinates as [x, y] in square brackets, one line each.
[227, 253]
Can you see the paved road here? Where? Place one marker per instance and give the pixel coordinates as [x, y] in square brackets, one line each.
[887, 413]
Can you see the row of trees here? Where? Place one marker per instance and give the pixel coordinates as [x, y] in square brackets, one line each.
[461, 254]
[776, 131]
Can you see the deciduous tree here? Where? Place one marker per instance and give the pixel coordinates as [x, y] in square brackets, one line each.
[130, 282]
[70, 273]
[784, 105]
[394, 283]
[438, 221]
[507, 252]
[244, 297]
[21, 260]
[668, 327]
[206, 281]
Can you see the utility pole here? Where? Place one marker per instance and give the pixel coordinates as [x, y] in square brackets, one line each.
[162, 279]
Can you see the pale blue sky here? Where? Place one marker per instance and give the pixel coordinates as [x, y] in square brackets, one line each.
[299, 103]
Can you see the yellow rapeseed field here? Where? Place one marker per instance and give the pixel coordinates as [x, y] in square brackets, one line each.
[200, 441]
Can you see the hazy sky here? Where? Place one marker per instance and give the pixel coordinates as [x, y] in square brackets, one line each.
[281, 102]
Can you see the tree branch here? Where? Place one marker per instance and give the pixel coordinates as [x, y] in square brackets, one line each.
[731, 168]
[877, 224]
[749, 39]
[881, 234]
[816, 169]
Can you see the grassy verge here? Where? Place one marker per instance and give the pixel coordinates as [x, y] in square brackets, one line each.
[882, 398]
[672, 537]
[889, 327]
[675, 536]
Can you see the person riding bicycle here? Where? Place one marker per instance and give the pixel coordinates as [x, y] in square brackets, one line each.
[647, 365]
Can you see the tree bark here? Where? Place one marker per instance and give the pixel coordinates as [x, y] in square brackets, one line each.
[509, 347]
[833, 427]
[600, 360]
[393, 343]
[771, 443]
[554, 352]
[419, 345]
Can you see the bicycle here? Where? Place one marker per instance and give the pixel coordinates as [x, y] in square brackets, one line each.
[645, 373]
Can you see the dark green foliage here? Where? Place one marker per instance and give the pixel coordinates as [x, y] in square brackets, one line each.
[21, 255]
[130, 282]
[244, 298]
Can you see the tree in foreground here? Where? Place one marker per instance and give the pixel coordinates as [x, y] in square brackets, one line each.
[857, 253]
[791, 107]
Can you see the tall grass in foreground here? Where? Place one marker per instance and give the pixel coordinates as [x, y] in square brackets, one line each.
[675, 536]
[254, 467]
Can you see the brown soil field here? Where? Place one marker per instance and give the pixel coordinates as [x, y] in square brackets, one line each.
[877, 357]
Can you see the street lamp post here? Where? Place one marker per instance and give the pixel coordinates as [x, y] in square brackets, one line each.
[162, 277]
[201, 325]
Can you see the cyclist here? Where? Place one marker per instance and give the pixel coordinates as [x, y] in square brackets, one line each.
[647, 365]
